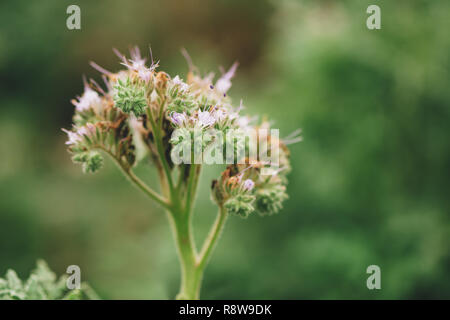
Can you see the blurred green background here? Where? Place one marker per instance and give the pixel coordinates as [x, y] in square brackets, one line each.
[370, 182]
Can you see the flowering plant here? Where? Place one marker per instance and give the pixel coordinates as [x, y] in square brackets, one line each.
[181, 125]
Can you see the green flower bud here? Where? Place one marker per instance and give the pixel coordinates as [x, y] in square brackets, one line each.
[80, 157]
[269, 200]
[240, 205]
[93, 162]
[130, 97]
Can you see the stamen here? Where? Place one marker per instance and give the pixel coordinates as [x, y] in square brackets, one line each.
[100, 69]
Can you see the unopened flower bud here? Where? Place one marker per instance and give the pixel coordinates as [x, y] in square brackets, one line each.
[240, 205]
[93, 162]
[270, 200]
[161, 80]
[130, 97]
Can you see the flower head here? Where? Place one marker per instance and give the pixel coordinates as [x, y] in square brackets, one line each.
[73, 137]
[180, 83]
[205, 119]
[224, 82]
[137, 64]
[178, 118]
[248, 185]
[89, 99]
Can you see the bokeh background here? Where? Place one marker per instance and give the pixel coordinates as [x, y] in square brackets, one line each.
[370, 182]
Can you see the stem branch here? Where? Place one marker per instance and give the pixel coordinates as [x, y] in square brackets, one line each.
[160, 149]
[138, 182]
[213, 236]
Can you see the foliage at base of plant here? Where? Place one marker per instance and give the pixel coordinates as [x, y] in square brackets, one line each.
[42, 284]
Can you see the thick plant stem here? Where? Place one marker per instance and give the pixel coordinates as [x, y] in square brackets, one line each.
[191, 275]
[192, 265]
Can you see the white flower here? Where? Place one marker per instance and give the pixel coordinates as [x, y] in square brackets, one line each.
[178, 82]
[243, 122]
[137, 64]
[248, 184]
[144, 73]
[74, 138]
[82, 131]
[178, 118]
[205, 119]
[90, 98]
[220, 114]
[224, 82]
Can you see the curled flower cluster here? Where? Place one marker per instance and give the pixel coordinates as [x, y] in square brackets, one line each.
[245, 188]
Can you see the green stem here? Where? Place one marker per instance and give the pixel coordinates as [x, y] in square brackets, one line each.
[193, 265]
[212, 238]
[137, 182]
[191, 274]
[141, 185]
[194, 173]
[179, 209]
[160, 149]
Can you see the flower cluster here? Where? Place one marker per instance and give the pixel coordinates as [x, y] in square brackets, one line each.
[253, 186]
[190, 118]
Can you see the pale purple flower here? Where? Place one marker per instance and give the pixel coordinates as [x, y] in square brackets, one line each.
[137, 63]
[145, 74]
[205, 119]
[178, 82]
[220, 114]
[178, 118]
[74, 137]
[224, 82]
[248, 185]
[83, 131]
[89, 99]
[243, 122]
